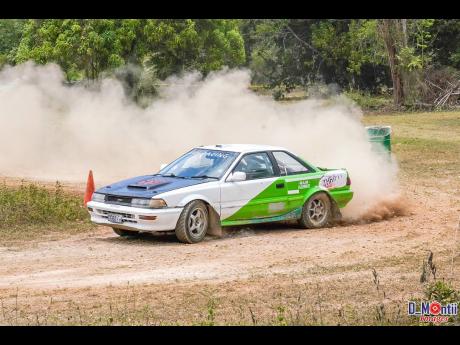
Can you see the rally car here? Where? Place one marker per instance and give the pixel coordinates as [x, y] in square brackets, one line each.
[216, 186]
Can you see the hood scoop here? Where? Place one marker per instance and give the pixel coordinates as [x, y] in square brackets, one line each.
[149, 184]
[137, 187]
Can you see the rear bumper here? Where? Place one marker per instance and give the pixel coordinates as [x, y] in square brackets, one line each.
[166, 219]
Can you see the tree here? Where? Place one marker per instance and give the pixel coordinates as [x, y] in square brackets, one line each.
[52, 40]
[367, 60]
[445, 42]
[10, 36]
[283, 55]
[362, 54]
[100, 47]
[392, 34]
[303, 52]
[175, 46]
[89, 46]
[409, 54]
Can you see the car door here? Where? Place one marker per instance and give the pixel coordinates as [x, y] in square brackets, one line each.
[297, 177]
[257, 197]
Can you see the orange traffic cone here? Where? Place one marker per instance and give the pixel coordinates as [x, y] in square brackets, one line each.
[89, 188]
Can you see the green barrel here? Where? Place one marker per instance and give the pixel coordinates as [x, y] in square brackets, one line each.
[380, 137]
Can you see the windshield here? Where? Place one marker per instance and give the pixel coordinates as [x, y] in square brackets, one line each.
[200, 163]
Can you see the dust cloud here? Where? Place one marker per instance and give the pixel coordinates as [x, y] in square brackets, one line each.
[49, 130]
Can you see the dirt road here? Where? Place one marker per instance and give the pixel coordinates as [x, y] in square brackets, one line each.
[103, 258]
[246, 264]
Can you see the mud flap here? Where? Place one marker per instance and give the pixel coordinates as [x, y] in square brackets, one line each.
[214, 228]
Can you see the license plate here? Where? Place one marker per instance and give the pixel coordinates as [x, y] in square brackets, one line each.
[115, 218]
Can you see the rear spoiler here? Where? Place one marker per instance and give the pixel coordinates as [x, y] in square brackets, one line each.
[330, 169]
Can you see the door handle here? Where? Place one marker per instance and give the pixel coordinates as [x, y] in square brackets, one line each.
[280, 185]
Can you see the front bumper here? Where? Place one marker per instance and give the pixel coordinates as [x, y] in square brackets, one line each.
[166, 218]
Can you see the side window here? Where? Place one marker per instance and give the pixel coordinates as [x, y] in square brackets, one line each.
[289, 165]
[256, 165]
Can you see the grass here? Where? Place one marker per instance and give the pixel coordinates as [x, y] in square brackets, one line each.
[30, 210]
[303, 304]
[425, 144]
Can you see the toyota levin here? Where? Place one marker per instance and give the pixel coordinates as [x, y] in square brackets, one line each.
[217, 186]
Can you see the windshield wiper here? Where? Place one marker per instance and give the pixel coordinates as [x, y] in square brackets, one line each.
[172, 175]
[204, 176]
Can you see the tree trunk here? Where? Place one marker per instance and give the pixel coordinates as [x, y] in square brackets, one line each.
[389, 29]
[404, 31]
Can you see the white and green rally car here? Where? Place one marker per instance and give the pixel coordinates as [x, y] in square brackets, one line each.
[223, 185]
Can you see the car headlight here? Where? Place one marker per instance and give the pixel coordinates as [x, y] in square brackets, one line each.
[148, 203]
[98, 197]
[157, 203]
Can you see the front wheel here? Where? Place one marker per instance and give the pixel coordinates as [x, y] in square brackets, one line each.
[316, 212]
[193, 222]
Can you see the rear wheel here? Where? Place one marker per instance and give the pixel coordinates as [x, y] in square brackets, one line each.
[124, 233]
[316, 212]
[193, 222]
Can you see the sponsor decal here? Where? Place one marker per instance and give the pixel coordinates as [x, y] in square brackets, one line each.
[303, 178]
[152, 182]
[432, 311]
[218, 154]
[276, 206]
[304, 184]
[295, 191]
[334, 179]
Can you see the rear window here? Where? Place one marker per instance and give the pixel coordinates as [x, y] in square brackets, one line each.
[289, 165]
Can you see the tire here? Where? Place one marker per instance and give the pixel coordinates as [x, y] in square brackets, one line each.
[193, 222]
[125, 233]
[316, 212]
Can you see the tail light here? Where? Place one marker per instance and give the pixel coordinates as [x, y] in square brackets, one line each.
[348, 181]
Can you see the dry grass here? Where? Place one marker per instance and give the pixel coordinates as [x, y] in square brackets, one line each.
[426, 144]
[294, 301]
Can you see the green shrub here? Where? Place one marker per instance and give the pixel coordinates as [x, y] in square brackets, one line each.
[31, 204]
[442, 292]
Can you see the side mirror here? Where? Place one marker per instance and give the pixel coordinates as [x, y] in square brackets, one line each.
[163, 166]
[237, 176]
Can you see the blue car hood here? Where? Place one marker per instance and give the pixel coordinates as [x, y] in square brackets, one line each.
[148, 186]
